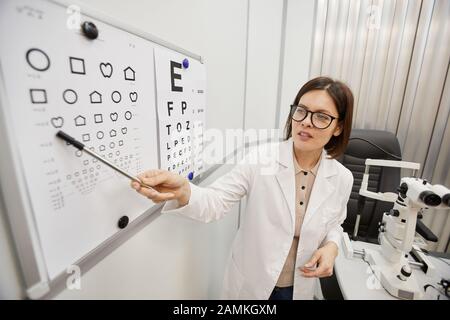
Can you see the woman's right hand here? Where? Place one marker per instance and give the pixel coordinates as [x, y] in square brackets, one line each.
[166, 186]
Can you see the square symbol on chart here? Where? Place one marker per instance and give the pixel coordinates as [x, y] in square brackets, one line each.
[86, 137]
[77, 65]
[98, 118]
[38, 96]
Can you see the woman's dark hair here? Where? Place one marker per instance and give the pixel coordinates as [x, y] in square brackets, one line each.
[343, 99]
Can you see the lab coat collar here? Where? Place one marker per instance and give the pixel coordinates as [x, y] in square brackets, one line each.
[286, 153]
[322, 187]
[299, 169]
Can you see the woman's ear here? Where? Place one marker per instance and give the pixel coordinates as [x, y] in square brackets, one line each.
[338, 129]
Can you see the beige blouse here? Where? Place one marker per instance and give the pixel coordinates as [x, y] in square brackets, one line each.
[304, 180]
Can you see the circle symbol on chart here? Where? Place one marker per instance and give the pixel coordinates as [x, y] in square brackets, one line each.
[116, 96]
[38, 59]
[100, 134]
[70, 96]
[128, 115]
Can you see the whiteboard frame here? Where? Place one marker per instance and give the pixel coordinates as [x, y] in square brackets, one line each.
[16, 197]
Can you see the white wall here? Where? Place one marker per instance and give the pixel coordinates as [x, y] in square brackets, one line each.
[264, 44]
[279, 52]
[296, 53]
[10, 277]
[173, 257]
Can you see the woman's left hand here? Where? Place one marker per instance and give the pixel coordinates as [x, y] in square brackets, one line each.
[324, 258]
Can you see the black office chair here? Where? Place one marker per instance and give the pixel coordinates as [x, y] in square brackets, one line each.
[373, 144]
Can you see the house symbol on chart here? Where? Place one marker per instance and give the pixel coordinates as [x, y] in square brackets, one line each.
[96, 97]
[80, 121]
[129, 73]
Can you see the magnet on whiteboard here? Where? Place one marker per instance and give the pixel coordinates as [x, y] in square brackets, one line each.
[89, 30]
[185, 63]
[191, 175]
[123, 222]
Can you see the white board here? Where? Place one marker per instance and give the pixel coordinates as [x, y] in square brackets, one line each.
[103, 93]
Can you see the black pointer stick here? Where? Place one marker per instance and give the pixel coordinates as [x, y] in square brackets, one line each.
[80, 146]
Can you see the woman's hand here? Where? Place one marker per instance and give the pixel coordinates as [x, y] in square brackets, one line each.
[166, 186]
[324, 258]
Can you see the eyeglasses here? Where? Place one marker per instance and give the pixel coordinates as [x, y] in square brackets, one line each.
[319, 120]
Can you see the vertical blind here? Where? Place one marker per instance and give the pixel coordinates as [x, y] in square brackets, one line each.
[394, 55]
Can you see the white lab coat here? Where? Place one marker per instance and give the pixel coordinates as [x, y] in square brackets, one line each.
[265, 235]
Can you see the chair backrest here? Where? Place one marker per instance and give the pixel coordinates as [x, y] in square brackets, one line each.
[380, 179]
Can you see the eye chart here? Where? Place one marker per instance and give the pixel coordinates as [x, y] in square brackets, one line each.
[103, 93]
[181, 86]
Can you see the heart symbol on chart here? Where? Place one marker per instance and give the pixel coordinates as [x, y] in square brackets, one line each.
[133, 96]
[106, 69]
[57, 122]
[124, 130]
[114, 116]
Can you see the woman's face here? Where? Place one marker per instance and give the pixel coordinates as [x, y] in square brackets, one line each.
[305, 136]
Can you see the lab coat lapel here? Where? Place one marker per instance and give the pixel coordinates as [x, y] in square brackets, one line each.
[286, 176]
[322, 188]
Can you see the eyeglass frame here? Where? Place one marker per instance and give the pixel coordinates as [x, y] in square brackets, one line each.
[312, 113]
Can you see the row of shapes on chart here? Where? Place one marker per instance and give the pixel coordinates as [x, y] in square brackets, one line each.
[80, 121]
[39, 60]
[84, 173]
[118, 158]
[87, 179]
[101, 148]
[70, 96]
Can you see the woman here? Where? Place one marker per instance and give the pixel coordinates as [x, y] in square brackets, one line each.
[290, 232]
